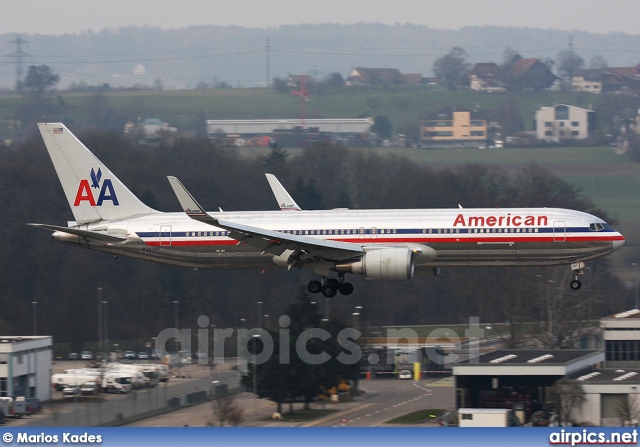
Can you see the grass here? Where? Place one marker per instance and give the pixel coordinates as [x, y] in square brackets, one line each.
[187, 109]
[417, 417]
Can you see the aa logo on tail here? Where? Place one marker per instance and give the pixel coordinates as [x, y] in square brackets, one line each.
[85, 192]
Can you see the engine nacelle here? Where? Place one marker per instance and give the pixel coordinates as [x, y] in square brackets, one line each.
[384, 263]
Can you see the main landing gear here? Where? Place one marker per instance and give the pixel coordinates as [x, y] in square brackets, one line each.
[577, 271]
[330, 286]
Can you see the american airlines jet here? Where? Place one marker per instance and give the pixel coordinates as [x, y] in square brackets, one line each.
[378, 244]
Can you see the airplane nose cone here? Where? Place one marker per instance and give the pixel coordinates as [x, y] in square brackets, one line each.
[618, 244]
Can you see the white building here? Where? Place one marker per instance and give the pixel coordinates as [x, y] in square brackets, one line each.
[267, 126]
[564, 122]
[25, 366]
[621, 335]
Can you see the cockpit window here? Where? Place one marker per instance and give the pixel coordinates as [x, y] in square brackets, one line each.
[599, 226]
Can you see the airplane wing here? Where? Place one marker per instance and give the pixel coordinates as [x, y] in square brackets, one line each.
[285, 201]
[268, 241]
[88, 234]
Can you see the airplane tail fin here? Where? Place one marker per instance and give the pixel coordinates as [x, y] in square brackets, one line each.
[93, 191]
[284, 199]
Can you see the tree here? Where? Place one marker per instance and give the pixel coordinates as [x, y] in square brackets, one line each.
[334, 81]
[628, 410]
[304, 371]
[598, 63]
[382, 126]
[568, 63]
[39, 80]
[509, 56]
[451, 69]
[569, 396]
[225, 411]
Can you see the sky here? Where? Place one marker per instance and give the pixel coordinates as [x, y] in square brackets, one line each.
[76, 16]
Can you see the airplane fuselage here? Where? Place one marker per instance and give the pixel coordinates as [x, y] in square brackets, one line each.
[460, 237]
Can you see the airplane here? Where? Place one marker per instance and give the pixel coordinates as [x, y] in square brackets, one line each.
[389, 244]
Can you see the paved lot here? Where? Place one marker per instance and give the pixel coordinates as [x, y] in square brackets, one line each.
[384, 399]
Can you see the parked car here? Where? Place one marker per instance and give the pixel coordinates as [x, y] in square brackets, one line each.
[89, 389]
[86, 355]
[405, 374]
[130, 355]
[73, 356]
[143, 355]
[71, 390]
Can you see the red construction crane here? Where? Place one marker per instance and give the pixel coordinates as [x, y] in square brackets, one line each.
[303, 93]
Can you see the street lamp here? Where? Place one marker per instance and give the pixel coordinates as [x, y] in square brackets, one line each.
[213, 387]
[635, 264]
[99, 317]
[255, 373]
[175, 322]
[106, 325]
[259, 314]
[35, 317]
[356, 315]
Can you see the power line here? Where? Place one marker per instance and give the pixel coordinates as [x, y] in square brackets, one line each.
[19, 57]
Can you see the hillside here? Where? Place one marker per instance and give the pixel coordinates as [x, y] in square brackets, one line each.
[182, 58]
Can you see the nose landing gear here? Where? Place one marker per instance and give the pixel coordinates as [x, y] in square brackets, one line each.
[577, 271]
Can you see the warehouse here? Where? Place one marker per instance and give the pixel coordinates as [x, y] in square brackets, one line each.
[247, 128]
[518, 378]
[25, 367]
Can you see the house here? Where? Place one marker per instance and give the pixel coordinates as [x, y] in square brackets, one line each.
[412, 78]
[529, 74]
[604, 81]
[454, 126]
[630, 75]
[486, 77]
[375, 76]
[564, 122]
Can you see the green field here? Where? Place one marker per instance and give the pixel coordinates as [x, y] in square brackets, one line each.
[187, 109]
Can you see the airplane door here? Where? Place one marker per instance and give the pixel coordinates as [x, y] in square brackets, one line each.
[374, 233]
[165, 235]
[559, 231]
[362, 232]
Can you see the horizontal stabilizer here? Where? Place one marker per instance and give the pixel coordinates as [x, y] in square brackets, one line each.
[85, 233]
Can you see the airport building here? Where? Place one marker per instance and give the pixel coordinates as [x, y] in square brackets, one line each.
[521, 380]
[247, 128]
[25, 366]
[518, 379]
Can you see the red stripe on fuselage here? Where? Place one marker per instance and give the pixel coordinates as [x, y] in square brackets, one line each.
[430, 240]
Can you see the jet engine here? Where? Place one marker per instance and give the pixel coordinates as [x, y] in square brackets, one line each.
[384, 263]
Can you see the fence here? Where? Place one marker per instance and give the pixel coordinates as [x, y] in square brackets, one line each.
[135, 405]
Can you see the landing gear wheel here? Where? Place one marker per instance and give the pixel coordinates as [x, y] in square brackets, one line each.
[575, 284]
[345, 288]
[314, 287]
[329, 290]
[334, 282]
